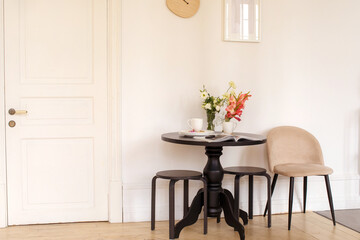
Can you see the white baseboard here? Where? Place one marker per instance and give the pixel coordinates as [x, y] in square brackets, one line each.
[345, 191]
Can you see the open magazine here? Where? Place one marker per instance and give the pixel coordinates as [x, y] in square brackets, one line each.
[230, 137]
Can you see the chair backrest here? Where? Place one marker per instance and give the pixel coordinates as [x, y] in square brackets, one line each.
[288, 144]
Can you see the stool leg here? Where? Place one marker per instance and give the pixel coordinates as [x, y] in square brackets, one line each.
[291, 196]
[269, 198]
[272, 191]
[153, 192]
[236, 196]
[304, 192]
[205, 206]
[251, 192]
[172, 209]
[186, 196]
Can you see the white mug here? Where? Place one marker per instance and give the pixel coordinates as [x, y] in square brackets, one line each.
[229, 127]
[195, 123]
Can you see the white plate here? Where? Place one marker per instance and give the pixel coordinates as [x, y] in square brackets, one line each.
[188, 133]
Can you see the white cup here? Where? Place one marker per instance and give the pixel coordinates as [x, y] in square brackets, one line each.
[195, 123]
[229, 127]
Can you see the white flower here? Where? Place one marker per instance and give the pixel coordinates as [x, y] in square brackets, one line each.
[204, 95]
[217, 108]
[226, 95]
[207, 106]
[232, 84]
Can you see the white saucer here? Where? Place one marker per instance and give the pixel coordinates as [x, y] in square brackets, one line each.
[189, 133]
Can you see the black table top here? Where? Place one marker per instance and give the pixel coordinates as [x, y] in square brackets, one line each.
[174, 137]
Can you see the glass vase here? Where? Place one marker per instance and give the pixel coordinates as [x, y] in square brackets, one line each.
[210, 120]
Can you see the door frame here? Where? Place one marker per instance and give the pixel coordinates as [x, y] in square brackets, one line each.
[114, 161]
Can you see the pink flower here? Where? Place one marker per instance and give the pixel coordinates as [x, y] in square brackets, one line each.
[232, 99]
[237, 118]
[231, 108]
[236, 105]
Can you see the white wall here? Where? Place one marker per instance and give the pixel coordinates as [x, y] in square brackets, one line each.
[305, 72]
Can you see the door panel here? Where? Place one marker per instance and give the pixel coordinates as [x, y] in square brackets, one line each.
[56, 69]
[56, 185]
[61, 31]
[55, 111]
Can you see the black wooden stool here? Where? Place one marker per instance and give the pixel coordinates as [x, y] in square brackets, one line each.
[251, 172]
[174, 176]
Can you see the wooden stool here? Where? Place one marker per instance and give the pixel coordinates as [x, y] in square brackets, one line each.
[174, 176]
[251, 172]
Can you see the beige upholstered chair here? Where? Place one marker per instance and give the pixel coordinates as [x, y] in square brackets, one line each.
[293, 152]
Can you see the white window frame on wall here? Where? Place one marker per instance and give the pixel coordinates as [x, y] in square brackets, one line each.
[227, 24]
[114, 106]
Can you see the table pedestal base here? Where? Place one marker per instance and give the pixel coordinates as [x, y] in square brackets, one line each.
[226, 203]
[219, 199]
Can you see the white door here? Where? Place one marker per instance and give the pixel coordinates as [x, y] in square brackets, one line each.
[56, 70]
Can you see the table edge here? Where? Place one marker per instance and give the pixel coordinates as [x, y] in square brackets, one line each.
[213, 144]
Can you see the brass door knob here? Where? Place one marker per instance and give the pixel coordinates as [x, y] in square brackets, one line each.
[12, 123]
[13, 111]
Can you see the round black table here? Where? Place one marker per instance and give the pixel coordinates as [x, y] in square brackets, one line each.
[218, 198]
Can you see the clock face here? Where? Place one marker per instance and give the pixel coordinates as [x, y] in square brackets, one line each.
[183, 8]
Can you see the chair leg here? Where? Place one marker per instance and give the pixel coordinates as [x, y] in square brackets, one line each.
[304, 192]
[272, 191]
[251, 193]
[186, 196]
[269, 198]
[291, 195]
[236, 196]
[205, 206]
[328, 188]
[153, 192]
[218, 218]
[172, 209]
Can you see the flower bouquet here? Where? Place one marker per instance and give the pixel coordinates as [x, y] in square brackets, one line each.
[235, 106]
[234, 109]
[212, 105]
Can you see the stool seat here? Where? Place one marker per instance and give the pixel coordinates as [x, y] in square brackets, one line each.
[245, 170]
[179, 174]
[174, 176]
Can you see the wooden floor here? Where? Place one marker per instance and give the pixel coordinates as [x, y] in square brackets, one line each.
[305, 226]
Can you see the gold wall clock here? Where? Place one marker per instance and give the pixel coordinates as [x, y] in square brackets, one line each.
[183, 8]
